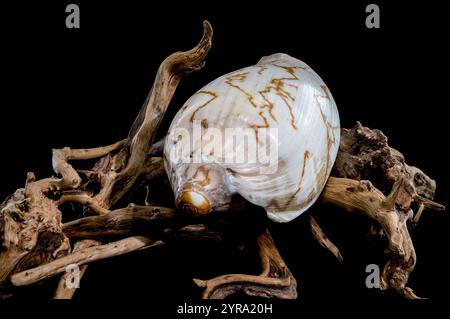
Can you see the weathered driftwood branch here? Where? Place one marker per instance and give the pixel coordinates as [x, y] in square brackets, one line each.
[129, 163]
[362, 196]
[133, 220]
[323, 239]
[81, 257]
[65, 291]
[84, 199]
[82, 254]
[199, 232]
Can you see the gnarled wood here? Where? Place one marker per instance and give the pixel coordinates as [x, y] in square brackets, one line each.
[275, 280]
[365, 154]
[362, 196]
[81, 257]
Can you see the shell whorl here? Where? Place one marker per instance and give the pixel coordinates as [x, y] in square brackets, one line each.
[279, 92]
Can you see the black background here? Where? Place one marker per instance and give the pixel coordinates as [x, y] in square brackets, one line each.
[83, 88]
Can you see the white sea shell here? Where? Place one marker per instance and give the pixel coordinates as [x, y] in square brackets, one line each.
[278, 92]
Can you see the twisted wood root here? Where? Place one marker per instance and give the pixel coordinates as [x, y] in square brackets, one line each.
[275, 280]
[30, 219]
[363, 197]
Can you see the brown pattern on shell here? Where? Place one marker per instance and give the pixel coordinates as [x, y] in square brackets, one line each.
[277, 84]
[213, 97]
[273, 203]
[275, 207]
[318, 176]
[241, 78]
[322, 174]
[256, 127]
[282, 92]
[326, 91]
[306, 155]
[269, 105]
[311, 196]
[262, 68]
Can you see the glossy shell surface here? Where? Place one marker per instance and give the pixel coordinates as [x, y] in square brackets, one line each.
[279, 92]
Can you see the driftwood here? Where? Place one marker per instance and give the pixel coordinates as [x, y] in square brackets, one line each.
[65, 291]
[368, 177]
[31, 226]
[366, 165]
[275, 280]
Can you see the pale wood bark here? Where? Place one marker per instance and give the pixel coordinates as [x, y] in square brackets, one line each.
[81, 257]
[63, 291]
[275, 280]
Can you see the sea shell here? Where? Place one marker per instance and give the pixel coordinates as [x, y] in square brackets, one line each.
[281, 98]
